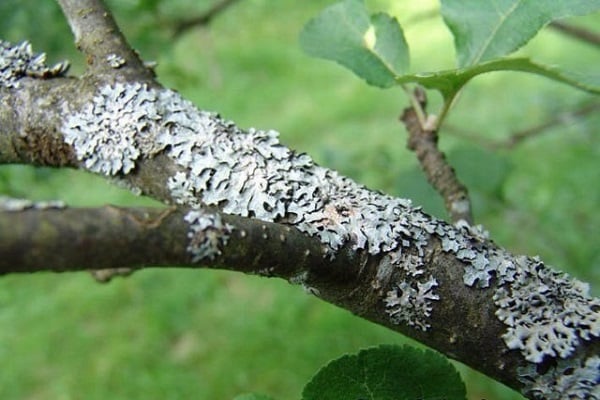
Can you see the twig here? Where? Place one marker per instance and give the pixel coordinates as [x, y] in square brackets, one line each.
[423, 141]
[577, 32]
[203, 19]
[99, 38]
[562, 118]
[516, 138]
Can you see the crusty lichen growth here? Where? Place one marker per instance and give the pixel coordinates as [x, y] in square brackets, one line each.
[115, 61]
[115, 129]
[18, 61]
[14, 204]
[573, 380]
[412, 304]
[547, 313]
[207, 235]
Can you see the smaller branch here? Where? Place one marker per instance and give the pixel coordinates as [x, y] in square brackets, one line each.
[115, 241]
[559, 119]
[424, 142]
[99, 38]
[516, 138]
[203, 19]
[576, 32]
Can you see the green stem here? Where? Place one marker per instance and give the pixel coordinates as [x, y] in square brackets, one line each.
[448, 103]
[416, 104]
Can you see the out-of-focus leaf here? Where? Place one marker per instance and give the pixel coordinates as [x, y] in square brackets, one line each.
[387, 373]
[373, 47]
[488, 29]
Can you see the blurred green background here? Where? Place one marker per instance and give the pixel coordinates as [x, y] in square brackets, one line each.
[181, 334]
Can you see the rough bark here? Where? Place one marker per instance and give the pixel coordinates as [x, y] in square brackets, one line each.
[244, 202]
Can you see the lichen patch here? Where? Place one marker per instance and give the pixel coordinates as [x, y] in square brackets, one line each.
[207, 234]
[18, 61]
[547, 313]
[11, 204]
[115, 61]
[115, 129]
[412, 304]
[573, 379]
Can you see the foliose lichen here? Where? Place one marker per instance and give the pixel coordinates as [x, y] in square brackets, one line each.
[115, 129]
[207, 235]
[569, 379]
[411, 304]
[548, 313]
[18, 61]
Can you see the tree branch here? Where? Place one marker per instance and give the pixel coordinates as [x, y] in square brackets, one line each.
[73, 239]
[99, 38]
[576, 32]
[424, 142]
[203, 19]
[243, 197]
[518, 137]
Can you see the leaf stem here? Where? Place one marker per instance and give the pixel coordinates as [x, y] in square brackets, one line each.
[416, 104]
[448, 103]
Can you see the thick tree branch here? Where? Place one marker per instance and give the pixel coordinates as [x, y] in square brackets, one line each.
[250, 204]
[41, 238]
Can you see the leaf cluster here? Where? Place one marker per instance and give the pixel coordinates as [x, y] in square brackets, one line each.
[485, 34]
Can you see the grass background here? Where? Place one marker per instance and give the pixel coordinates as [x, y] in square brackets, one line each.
[182, 334]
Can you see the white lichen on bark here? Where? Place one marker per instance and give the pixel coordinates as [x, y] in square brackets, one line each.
[115, 61]
[14, 204]
[547, 312]
[411, 305]
[18, 61]
[572, 379]
[207, 235]
[115, 129]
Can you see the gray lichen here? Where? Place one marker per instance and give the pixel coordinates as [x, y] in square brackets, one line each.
[115, 61]
[573, 379]
[207, 235]
[12, 204]
[412, 305]
[115, 129]
[18, 61]
[548, 314]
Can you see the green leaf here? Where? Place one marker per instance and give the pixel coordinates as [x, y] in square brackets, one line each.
[451, 81]
[252, 396]
[487, 29]
[387, 373]
[373, 47]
